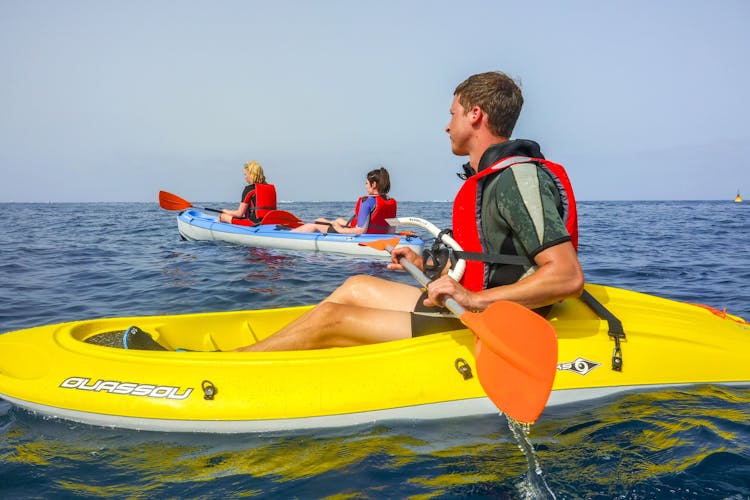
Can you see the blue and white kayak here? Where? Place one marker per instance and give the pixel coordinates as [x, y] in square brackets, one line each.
[196, 225]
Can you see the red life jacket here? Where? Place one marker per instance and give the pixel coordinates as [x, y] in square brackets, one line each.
[260, 201]
[467, 221]
[385, 208]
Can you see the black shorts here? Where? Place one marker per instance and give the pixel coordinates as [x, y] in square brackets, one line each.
[428, 320]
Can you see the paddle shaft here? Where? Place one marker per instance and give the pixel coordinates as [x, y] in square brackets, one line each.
[423, 280]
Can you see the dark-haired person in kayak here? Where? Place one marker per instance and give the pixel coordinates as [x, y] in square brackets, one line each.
[370, 213]
[526, 217]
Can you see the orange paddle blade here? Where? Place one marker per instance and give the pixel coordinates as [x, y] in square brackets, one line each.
[516, 354]
[386, 244]
[281, 217]
[169, 201]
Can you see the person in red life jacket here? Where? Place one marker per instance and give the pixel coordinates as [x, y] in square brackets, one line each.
[516, 218]
[370, 213]
[258, 198]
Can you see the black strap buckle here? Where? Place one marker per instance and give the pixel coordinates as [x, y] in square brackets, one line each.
[437, 257]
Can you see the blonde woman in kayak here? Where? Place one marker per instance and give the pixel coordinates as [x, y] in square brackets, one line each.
[369, 214]
[258, 198]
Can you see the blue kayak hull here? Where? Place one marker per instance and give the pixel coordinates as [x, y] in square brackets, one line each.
[195, 225]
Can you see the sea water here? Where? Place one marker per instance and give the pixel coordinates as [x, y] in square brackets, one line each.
[64, 262]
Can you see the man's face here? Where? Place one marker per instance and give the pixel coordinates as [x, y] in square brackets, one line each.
[459, 128]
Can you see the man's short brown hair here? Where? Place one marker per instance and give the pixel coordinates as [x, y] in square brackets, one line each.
[497, 95]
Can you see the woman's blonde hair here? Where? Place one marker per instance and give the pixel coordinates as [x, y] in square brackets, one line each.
[256, 172]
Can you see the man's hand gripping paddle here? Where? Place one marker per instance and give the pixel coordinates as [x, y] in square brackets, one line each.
[515, 349]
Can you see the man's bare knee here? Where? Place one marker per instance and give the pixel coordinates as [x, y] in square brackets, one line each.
[353, 290]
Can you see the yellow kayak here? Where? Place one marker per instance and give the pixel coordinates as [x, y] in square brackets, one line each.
[57, 371]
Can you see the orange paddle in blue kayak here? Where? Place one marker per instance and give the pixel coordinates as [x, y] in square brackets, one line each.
[515, 349]
[169, 201]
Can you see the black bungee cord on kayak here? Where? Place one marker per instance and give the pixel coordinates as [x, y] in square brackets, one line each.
[616, 332]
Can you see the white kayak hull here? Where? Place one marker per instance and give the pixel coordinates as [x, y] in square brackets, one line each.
[195, 225]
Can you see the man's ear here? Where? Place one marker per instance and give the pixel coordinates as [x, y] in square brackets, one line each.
[475, 115]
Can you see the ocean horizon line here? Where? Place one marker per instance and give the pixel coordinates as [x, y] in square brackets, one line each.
[289, 202]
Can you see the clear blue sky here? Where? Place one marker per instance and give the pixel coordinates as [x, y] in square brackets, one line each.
[115, 100]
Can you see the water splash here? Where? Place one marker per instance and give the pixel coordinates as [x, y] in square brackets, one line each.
[534, 486]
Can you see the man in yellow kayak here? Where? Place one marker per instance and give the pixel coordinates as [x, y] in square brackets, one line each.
[515, 213]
